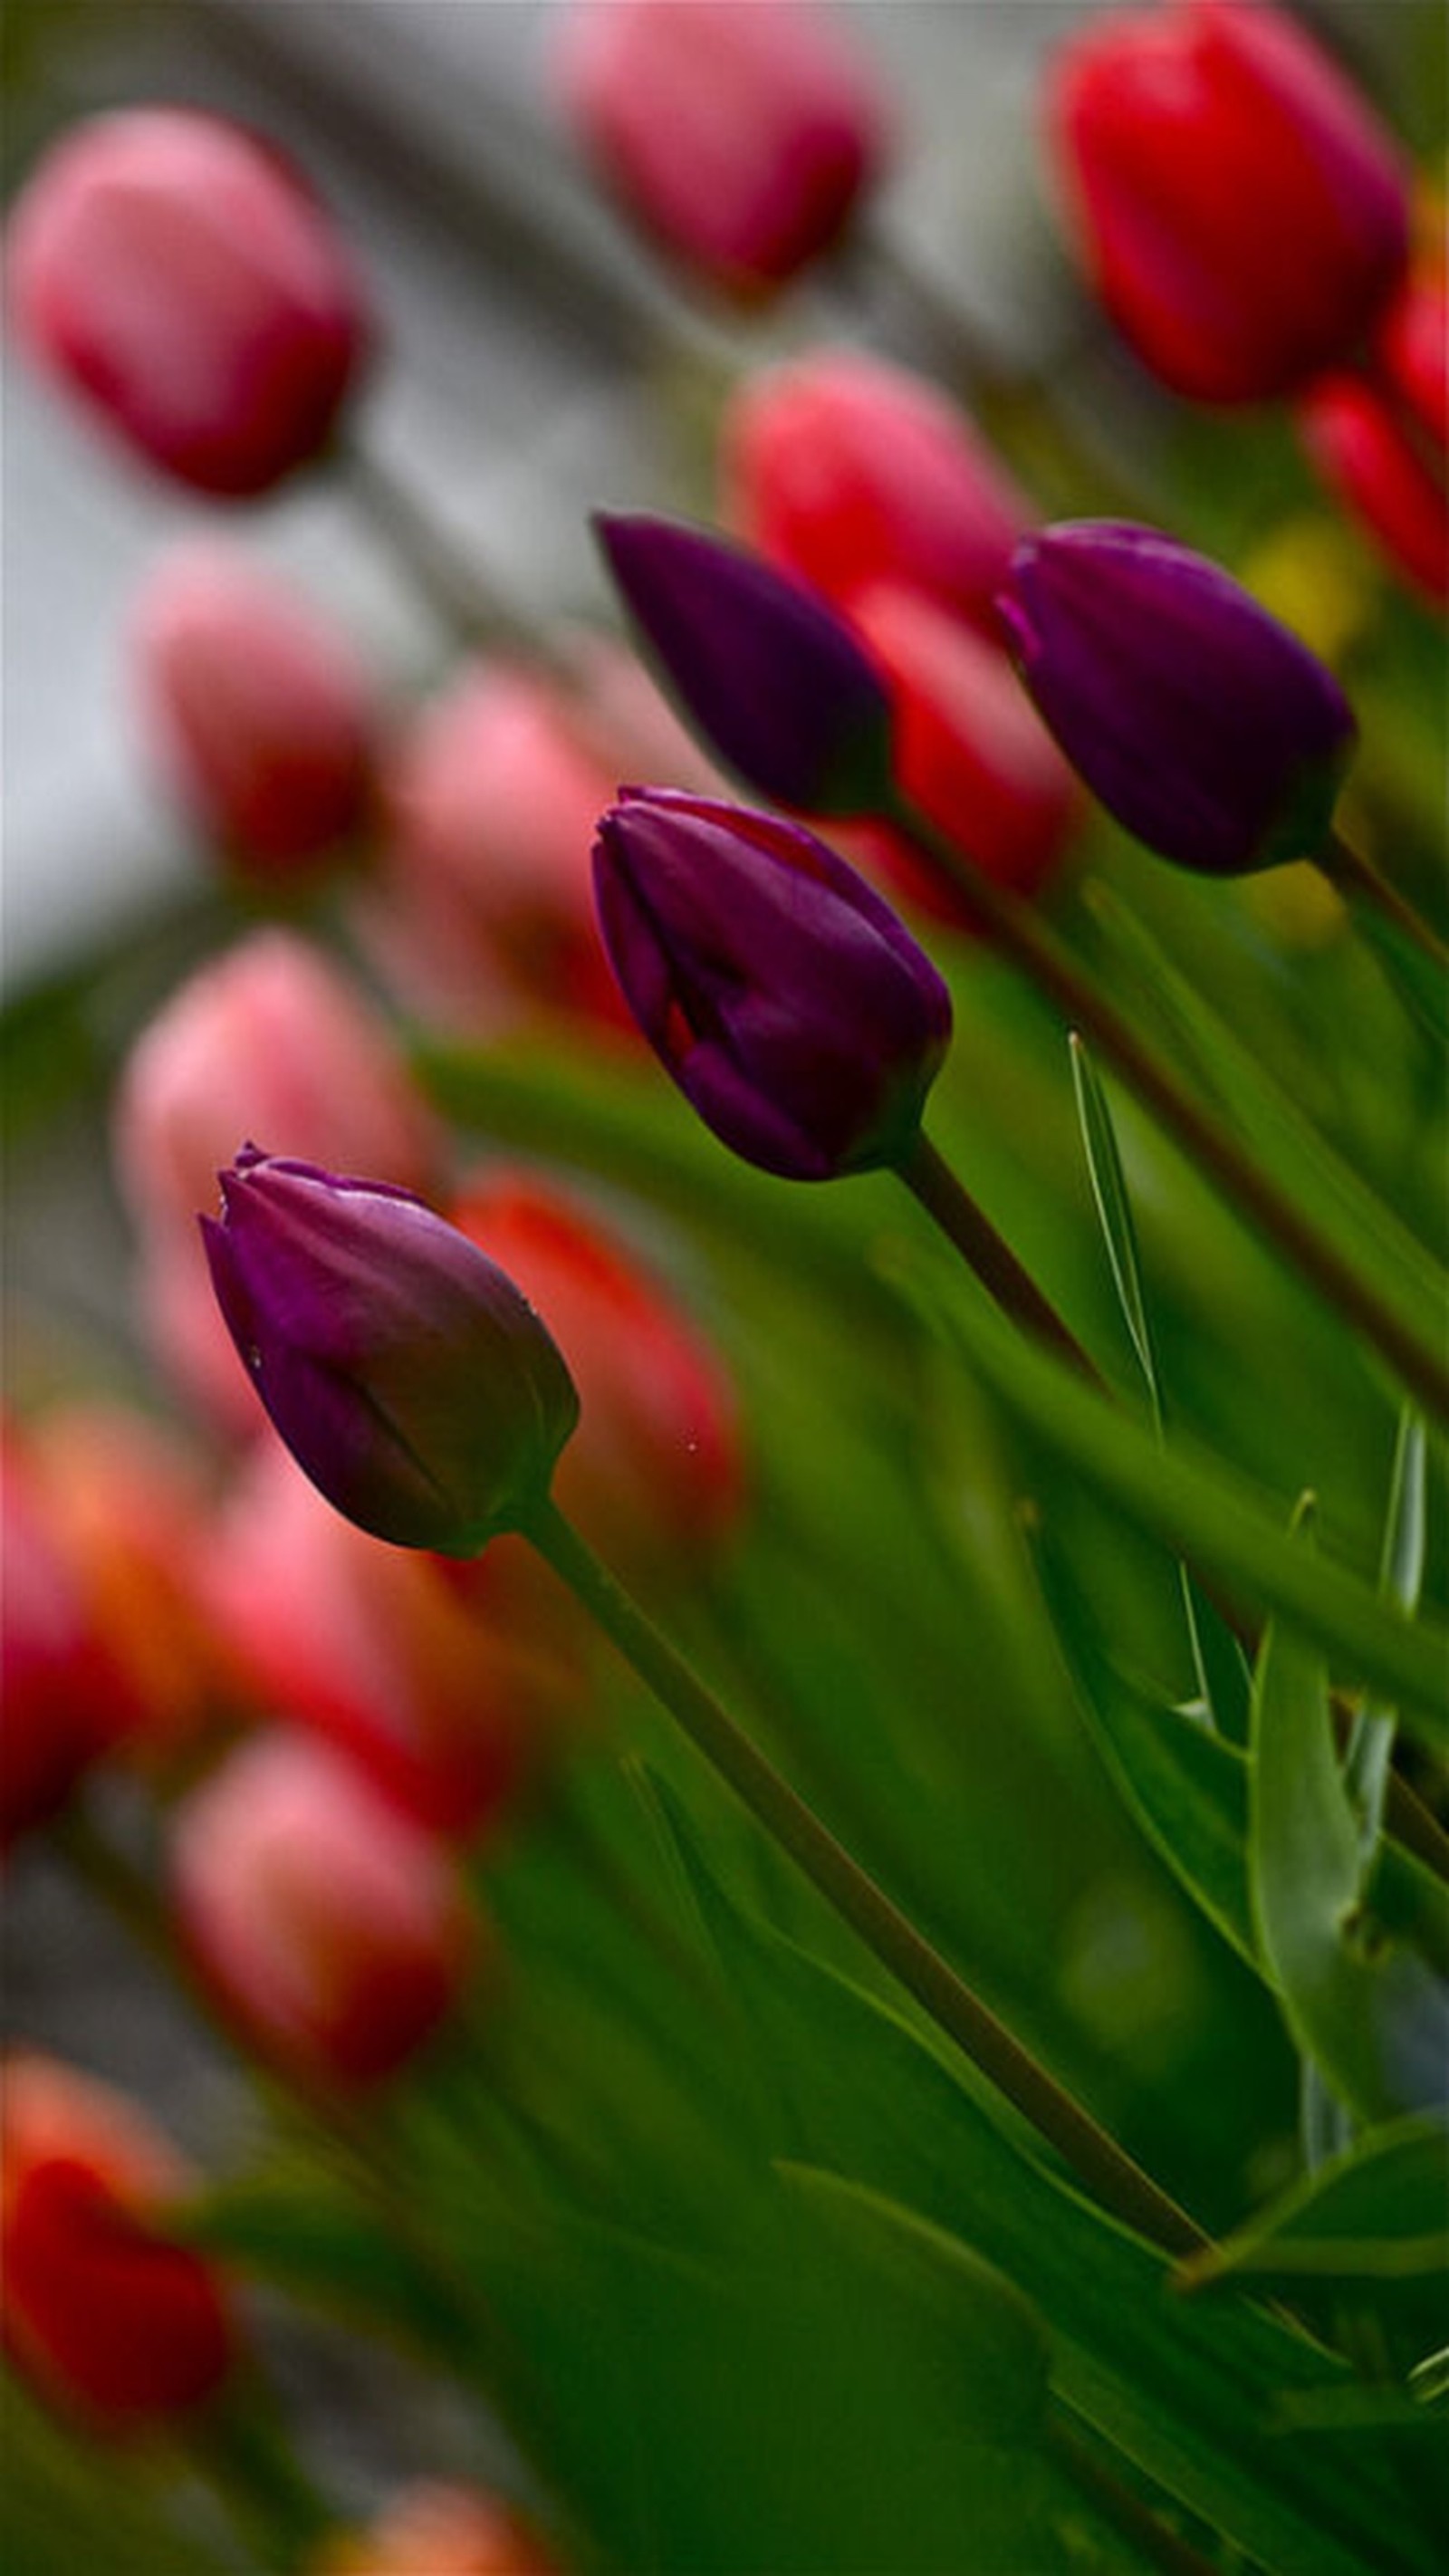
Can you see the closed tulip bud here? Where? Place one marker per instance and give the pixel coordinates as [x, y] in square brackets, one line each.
[484, 903]
[769, 673]
[1242, 212]
[654, 1472]
[406, 1374]
[260, 713]
[1203, 725]
[740, 137]
[271, 1037]
[1360, 451]
[448, 1702]
[107, 2316]
[129, 1507]
[1380, 440]
[850, 472]
[971, 752]
[332, 1928]
[177, 275]
[437, 2530]
[67, 1697]
[781, 993]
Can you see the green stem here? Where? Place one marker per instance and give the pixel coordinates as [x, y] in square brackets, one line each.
[1023, 936]
[1100, 2164]
[1359, 881]
[931, 1181]
[467, 602]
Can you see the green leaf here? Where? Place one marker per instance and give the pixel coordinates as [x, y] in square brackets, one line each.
[999, 2350]
[1222, 1673]
[1187, 1788]
[1373, 2225]
[861, 2093]
[1203, 1511]
[1371, 2018]
[1401, 1572]
[1299, 1153]
[1109, 1191]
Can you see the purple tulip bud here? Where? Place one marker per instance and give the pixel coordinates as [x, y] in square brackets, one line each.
[793, 1010]
[1203, 725]
[409, 1378]
[766, 671]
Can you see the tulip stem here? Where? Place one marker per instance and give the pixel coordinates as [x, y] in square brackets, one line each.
[1022, 936]
[930, 1180]
[466, 600]
[1358, 880]
[1099, 2163]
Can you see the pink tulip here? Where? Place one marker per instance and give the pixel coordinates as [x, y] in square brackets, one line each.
[332, 1929]
[741, 134]
[260, 712]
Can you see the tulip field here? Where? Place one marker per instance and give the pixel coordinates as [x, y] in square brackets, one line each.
[725, 1776]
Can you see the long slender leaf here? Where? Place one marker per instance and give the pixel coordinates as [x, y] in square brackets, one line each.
[1400, 1574]
[1373, 2019]
[1204, 1511]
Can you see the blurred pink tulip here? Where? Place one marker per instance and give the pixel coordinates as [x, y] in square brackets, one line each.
[260, 713]
[332, 1928]
[487, 906]
[741, 134]
[449, 1693]
[271, 1041]
[178, 275]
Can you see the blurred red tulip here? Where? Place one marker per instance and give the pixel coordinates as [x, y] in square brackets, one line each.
[178, 275]
[850, 472]
[106, 2316]
[1380, 439]
[261, 714]
[1362, 454]
[654, 1473]
[972, 751]
[1241, 210]
[332, 1928]
[67, 1698]
[741, 134]
[129, 1507]
[449, 1693]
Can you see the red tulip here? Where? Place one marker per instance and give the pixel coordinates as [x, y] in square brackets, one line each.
[260, 711]
[173, 271]
[67, 1697]
[1380, 439]
[850, 472]
[128, 1508]
[332, 1928]
[102, 2311]
[740, 133]
[1240, 209]
[971, 751]
[1360, 450]
[654, 1470]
